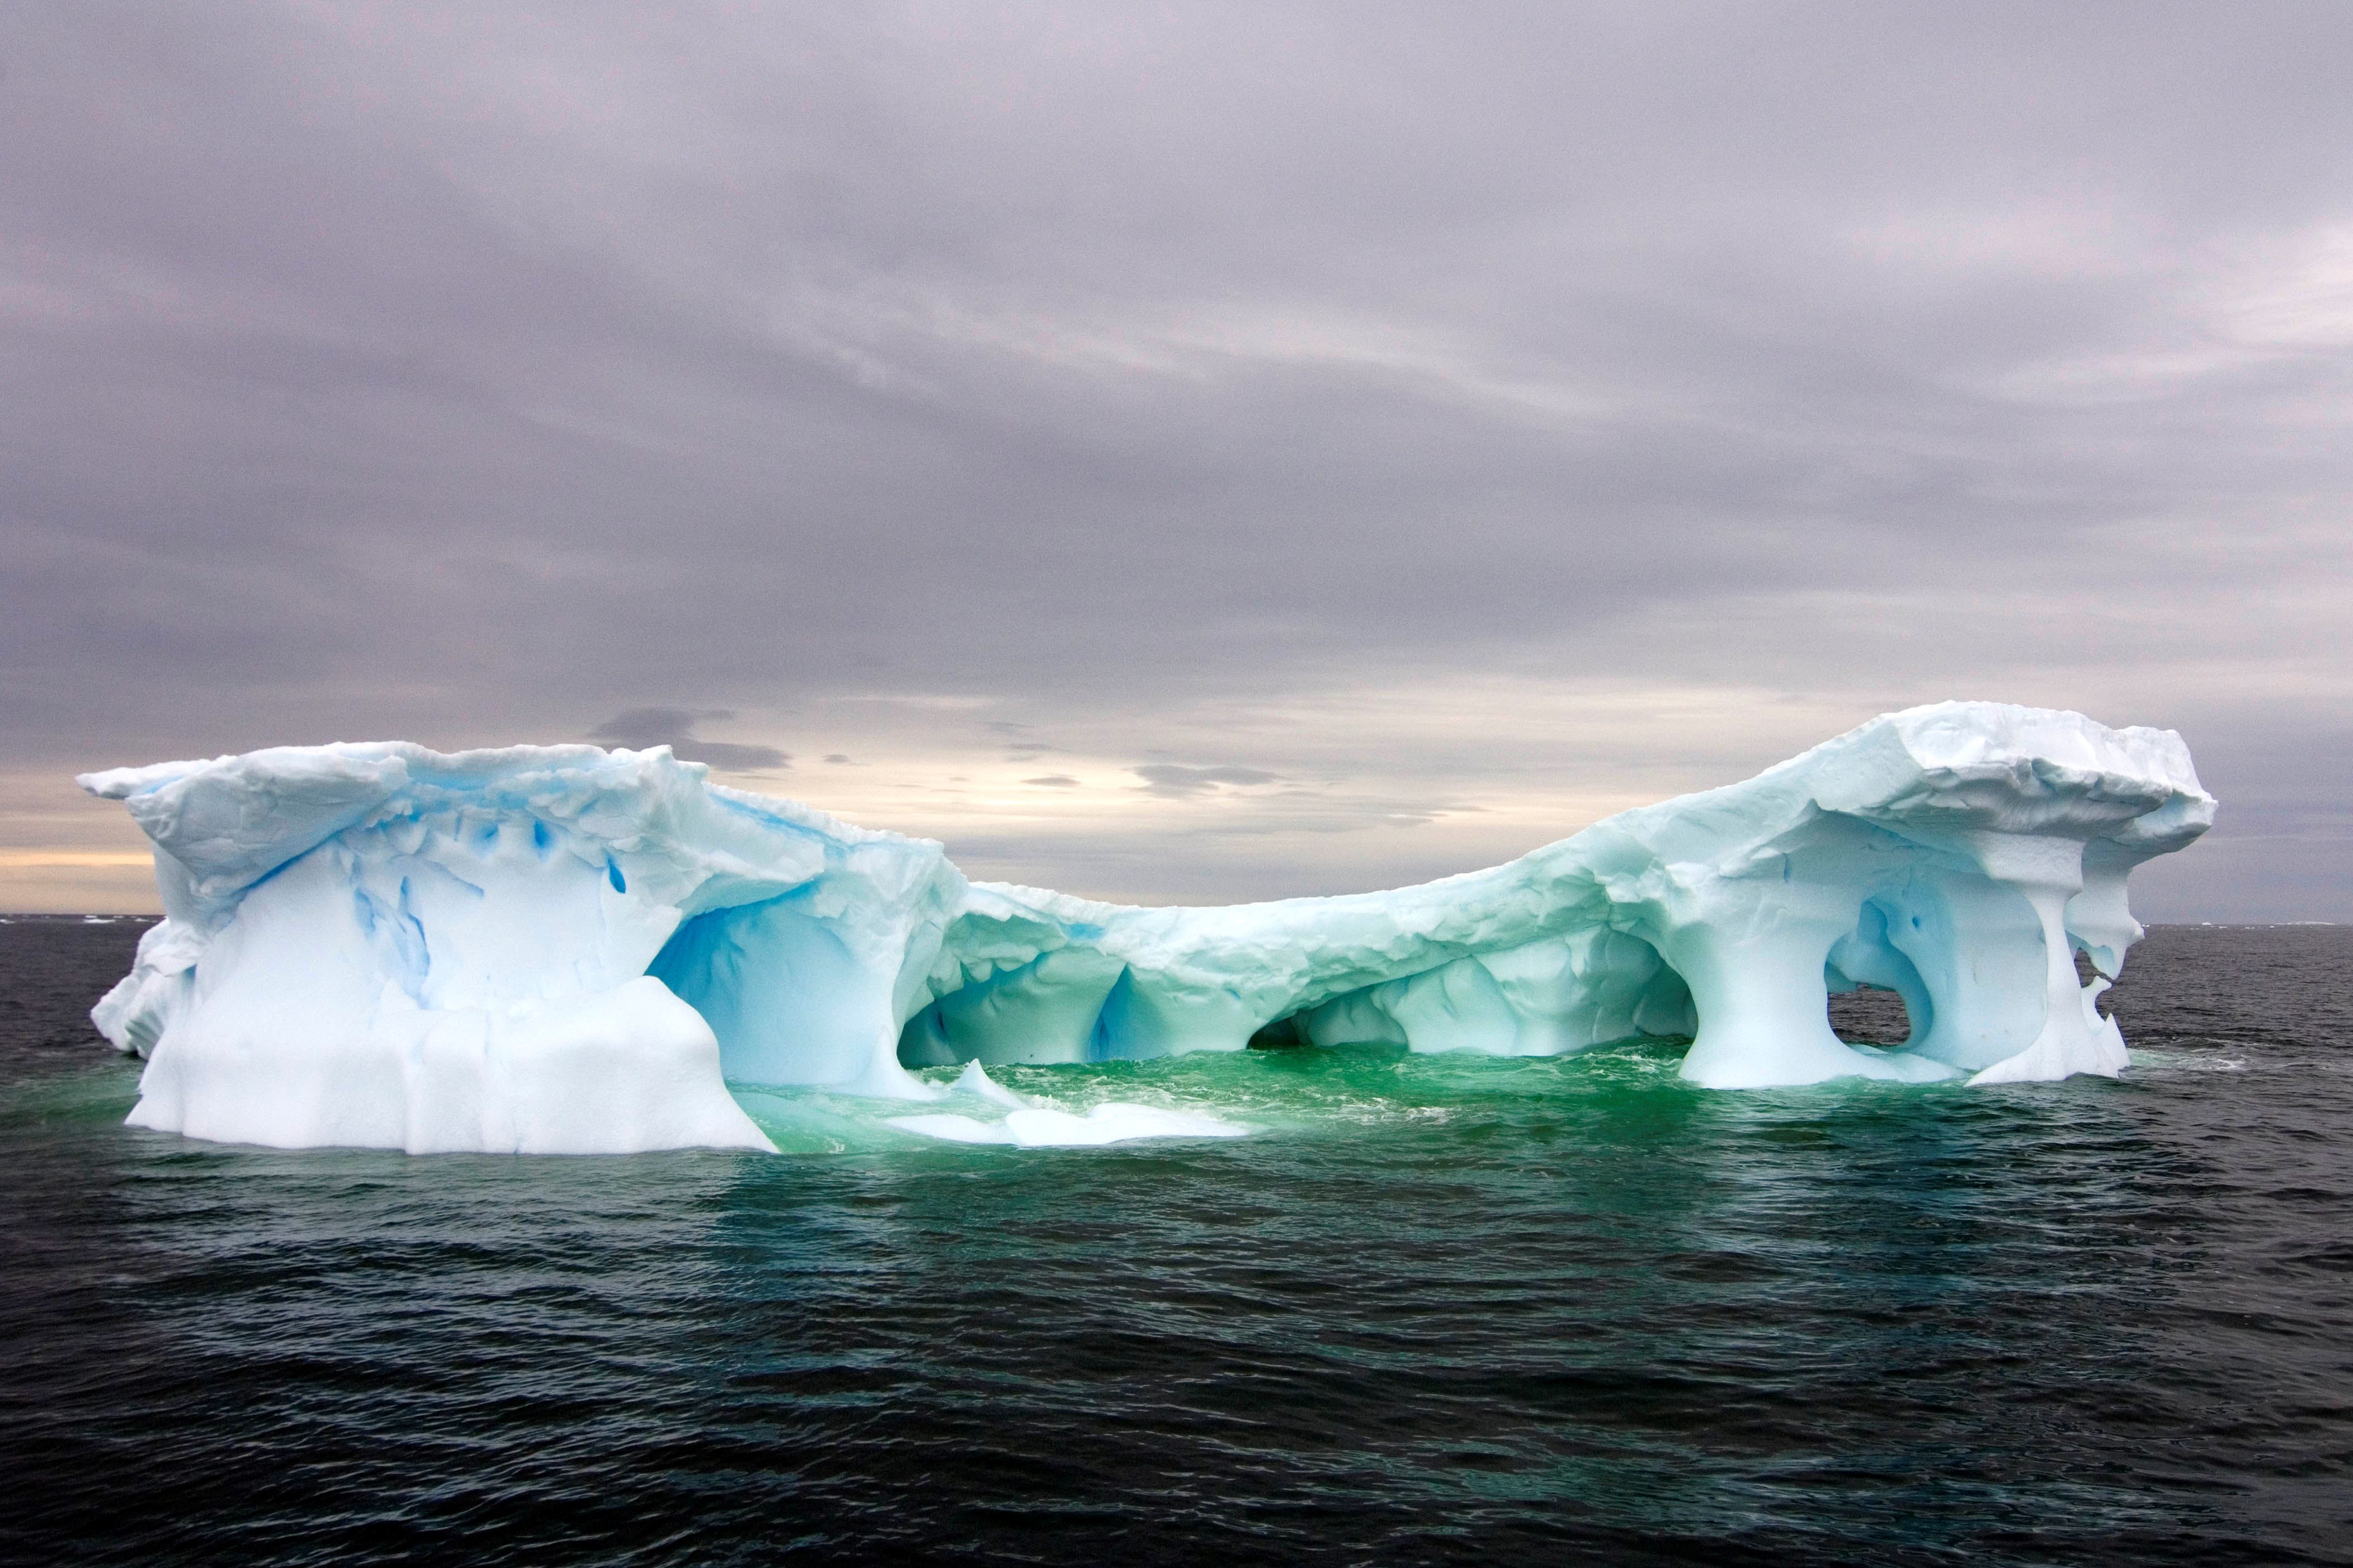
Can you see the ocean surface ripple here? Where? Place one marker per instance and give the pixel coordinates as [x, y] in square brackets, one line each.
[1431, 1309]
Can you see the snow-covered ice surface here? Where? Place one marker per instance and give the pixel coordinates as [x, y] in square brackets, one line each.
[559, 949]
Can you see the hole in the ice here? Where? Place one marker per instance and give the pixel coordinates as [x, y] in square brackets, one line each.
[1869, 1015]
[1876, 997]
[1282, 1035]
[2088, 969]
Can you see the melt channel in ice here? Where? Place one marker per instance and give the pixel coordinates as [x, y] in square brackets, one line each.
[560, 949]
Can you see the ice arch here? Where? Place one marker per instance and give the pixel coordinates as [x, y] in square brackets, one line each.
[565, 948]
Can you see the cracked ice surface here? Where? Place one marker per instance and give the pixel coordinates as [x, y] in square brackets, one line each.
[559, 949]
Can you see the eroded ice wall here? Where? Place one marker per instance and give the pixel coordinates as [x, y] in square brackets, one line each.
[537, 949]
[564, 948]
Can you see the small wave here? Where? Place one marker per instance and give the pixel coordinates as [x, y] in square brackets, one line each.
[2189, 1061]
[1028, 1124]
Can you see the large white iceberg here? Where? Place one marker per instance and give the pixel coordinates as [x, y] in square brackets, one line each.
[548, 949]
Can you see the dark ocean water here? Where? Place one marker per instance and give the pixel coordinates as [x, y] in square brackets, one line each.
[1437, 1310]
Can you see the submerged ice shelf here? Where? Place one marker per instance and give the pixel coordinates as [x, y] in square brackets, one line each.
[560, 949]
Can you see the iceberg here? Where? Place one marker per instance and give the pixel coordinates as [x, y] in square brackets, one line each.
[562, 949]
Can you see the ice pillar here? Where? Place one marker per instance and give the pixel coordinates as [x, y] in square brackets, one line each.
[2073, 1038]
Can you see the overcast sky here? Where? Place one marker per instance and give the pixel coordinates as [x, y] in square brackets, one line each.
[1186, 453]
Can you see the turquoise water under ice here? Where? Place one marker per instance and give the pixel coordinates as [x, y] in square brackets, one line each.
[1431, 1309]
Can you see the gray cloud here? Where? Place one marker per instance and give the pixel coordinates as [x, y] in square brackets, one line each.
[1175, 779]
[639, 728]
[465, 374]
